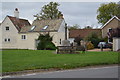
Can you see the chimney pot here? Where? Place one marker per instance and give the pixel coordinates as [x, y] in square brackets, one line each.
[16, 13]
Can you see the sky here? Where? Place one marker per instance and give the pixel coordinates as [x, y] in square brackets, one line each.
[81, 13]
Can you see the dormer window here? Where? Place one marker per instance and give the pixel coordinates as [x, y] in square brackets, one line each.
[7, 28]
[45, 27]
[33, 27]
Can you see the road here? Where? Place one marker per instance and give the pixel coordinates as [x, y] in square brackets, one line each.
[99, 72]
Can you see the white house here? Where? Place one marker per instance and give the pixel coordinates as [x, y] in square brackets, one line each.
[17, 33]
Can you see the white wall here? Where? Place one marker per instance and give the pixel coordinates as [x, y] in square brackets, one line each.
[29, 42]
[116, 44]
[16, 42]
[12, 33]
[62, 27]
[0, 37]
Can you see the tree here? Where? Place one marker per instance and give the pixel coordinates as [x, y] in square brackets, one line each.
[88, 27]
[49, 11]
[107, 11]
[76, 26]
[94, 38]
[114, 33]
[45, 42]
[77, 40]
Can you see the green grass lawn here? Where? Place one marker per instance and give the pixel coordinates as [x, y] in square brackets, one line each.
[18, 60]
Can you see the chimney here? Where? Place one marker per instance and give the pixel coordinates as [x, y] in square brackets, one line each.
[61, 16]
[16, 13]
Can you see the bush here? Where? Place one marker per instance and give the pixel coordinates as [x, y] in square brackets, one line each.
[41, 45]
[89, 45]
[95, 38]
[45, 43]
[50, 46]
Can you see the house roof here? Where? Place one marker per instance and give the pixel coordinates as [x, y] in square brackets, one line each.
[114, 17]
[19, 23]
[82, 32]
[50, 24]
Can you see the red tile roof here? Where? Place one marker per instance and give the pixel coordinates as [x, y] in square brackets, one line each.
[82, 32]
[19, 23]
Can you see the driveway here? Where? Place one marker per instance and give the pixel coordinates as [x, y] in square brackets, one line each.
[107, 49]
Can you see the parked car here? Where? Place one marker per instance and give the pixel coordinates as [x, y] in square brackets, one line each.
[105, 45]
[109, 45]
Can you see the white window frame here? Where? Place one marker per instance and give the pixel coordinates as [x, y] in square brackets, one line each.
[7, 40]
[108, 29]
[23, 37]
[60, 41]
[7, 27]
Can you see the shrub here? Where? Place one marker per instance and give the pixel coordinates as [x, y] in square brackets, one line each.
[50, 46]
[45, 43]
[89, 45]
[95, 38]
[41, 45]
[77, 40]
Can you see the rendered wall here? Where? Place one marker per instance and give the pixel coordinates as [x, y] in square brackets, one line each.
[116, 44]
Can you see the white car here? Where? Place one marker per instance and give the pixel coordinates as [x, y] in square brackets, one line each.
[103, 44]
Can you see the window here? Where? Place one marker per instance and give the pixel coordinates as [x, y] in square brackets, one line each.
[7, 39]
[23, 36]
[109, 29]
[60, 41]
[7, 28]
[33, 28]
[45, 27]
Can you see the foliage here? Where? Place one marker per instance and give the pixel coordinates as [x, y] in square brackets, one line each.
[49, 11]
[50, 46]
[114, 33]
[45, 42]
[77, 40]
[105, 39]
[76, 26]
[88, 27]
[94, 37]
[107, 11]
[89, 45]
[19, 60]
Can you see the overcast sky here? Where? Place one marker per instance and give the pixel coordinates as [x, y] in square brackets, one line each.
[81, 13]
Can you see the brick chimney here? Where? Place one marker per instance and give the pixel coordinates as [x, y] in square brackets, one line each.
[16, 13]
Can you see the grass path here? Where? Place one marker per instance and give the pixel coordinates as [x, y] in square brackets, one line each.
[19, 60]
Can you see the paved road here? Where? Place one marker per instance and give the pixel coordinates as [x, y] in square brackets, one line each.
[100, 72]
